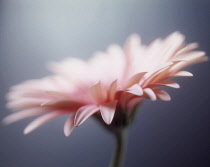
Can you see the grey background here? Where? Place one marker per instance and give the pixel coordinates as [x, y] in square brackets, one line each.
[34, 32]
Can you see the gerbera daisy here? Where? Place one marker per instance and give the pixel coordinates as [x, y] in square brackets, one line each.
[110, 84]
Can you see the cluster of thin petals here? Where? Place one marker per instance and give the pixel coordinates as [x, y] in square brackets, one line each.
[118, 77]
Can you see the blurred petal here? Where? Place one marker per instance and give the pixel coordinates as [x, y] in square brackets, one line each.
[22, 115]
[24, 103]
[62, 103]
[187, 49]
[172, 43]
[133, 103]
[42, 120]
[192, 58]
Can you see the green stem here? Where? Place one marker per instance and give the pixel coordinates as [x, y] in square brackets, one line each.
[118, 157]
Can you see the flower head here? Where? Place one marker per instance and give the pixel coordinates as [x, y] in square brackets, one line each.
[110, 84]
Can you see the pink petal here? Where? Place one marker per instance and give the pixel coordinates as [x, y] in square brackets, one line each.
[134, 102]
[97, 92]
[135, 90]
[150, 94]
[149, 76]
[62, 103]
[192, 58]
[42, 120]
[170, 84]
[22, 115]
[107, 111]
[187, 49]
[182, 74]
[69, 125]
[57, 94]
[172, 43]
[112, 90]
[124, 98]
[198, 59]
[135, 79]
[162, 75]
[132, 45]
[83, 113]
[23, 103]
[162, 95]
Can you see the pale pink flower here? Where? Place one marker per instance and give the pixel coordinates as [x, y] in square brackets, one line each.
[118, 79]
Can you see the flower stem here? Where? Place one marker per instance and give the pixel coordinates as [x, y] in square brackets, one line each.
[118, 157]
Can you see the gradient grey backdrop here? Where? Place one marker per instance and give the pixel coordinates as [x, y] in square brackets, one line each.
[165, 134]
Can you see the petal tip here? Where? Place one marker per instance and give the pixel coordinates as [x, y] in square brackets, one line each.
[108, 111]
[108, 122]
[190, 75]
[5, 121]
[26, 131]
[66, 133]
[168, 99]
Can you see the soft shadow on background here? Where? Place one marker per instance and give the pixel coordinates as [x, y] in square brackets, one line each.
[165, 134]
